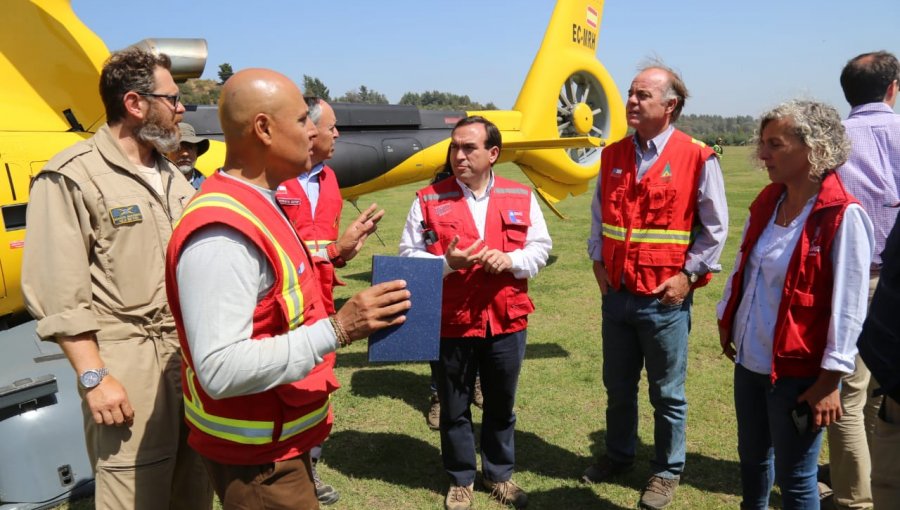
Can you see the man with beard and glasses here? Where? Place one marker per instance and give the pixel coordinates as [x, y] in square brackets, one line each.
[93, 276]
[185, 156]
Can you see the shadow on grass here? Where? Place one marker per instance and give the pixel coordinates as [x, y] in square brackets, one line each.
[361, 359]
[393, 458]
[701, 472]
[361, 276]
[413, 389]
[574, 497]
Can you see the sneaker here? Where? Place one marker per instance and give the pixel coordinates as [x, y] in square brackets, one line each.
[460, 497]
[658, 493]
[477, 396]
[507, 493]
[433, 418]
[604, 469]
[324, 492]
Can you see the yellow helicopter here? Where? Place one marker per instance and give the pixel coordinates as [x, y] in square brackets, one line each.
[50, 65]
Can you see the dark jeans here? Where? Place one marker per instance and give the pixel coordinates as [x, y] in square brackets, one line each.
[769, 446]
[498, 360]
[639, 331]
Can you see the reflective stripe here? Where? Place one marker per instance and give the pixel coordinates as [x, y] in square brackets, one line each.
[245, 431]
[290, 291]
[319, 245]
[440, 196]
[306, 422]
[647, 235]
[613, 232]
[511, 191]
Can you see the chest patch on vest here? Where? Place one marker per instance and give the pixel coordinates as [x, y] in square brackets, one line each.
[667, 171]
[126, 215]
[442, 209]
[301, 268]
[515, 217]
[617, 172]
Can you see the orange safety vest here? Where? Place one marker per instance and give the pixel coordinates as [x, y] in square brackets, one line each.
[474, 299]
[289, 419]
[801, 326]
[316, 231]
[647, 224]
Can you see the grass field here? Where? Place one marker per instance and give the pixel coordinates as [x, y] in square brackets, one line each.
[382, 455]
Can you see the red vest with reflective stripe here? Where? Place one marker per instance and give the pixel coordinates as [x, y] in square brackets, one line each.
[647, 224]
[287, 420]
[472, 297]
[801, 326]
[319, 231]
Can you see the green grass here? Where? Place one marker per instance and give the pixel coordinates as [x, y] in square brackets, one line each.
[382, 455]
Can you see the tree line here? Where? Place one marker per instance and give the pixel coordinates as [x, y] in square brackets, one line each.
[736, 130]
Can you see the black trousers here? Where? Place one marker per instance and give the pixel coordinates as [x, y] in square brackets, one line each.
[498, 360]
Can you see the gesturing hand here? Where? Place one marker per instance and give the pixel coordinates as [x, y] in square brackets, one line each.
[459, 259]
[354, 237]
[495, 261]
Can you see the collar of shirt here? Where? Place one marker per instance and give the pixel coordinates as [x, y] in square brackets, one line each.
[313, 172]
[870, 108]
[655, 145]
[470, 195]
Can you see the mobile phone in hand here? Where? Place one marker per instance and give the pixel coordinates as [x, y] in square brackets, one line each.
[801, 415]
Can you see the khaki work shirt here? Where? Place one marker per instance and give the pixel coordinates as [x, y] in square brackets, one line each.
[95, 244]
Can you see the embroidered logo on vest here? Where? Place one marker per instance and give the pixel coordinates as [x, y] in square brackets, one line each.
[667, 172]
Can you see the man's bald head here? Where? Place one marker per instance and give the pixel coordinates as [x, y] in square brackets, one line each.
[264, 120]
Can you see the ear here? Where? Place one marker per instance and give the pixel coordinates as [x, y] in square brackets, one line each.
[494, 154]
[670, 105]
[262, 128]
[133, 104]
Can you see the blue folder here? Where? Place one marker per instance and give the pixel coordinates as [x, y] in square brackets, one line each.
[417, 339]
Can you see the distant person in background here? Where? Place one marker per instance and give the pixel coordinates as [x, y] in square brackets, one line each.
[659, 223]
[717, 148]
[313, 203]
[794, 305]
[872, 175]
[492, 237]
[185, 157]
[879, 346]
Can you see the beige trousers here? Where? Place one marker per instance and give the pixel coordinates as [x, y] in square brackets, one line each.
[849, 438]
[149, 465]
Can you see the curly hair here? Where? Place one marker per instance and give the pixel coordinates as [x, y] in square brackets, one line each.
[818, 126]
[124, 71]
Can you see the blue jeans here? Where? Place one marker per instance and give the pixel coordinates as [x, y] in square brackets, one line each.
[639, 330]
[769, 446]
[498, 359]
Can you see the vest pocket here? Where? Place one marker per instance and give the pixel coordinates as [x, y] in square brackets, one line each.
[659, 205]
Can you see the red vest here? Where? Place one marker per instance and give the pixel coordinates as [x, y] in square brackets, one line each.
[473, 299]
[647, 225]
[319, 231]
[801, 327]
[287, 420]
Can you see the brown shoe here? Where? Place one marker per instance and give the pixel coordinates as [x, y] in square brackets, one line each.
[477, 396]
[507, 493]
[460, 497]
[658, 493]
[604, 469]
[433, 418]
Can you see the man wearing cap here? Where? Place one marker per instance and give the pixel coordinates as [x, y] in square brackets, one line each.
[185, 157]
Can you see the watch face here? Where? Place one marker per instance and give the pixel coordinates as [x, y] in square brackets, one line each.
[90, 379]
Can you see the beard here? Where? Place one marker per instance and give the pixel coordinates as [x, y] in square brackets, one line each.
[163, 135]
[186, 169]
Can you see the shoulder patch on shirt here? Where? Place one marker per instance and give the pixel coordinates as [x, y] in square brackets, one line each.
[126, 215]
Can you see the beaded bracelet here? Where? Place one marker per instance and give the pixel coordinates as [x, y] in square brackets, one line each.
[341, 333]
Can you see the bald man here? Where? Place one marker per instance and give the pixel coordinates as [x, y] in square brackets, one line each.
[249, 308]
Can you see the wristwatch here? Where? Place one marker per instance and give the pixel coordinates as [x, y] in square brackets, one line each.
[692, 277]
[334, 255]
[91, 378]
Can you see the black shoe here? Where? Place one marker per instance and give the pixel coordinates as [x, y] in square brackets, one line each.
[604, 469]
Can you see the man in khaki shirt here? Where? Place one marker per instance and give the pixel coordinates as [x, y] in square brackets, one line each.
[99, 219]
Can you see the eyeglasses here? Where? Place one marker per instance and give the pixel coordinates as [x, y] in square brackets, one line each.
[171, 99]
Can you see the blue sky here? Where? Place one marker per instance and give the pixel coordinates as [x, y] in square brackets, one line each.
[737, 58]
